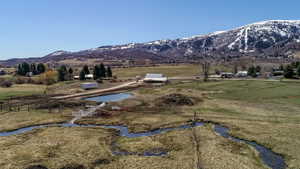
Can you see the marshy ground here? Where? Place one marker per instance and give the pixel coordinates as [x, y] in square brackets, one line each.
[265, 112]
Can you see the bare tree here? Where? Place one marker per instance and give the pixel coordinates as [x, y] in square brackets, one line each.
[205, 69]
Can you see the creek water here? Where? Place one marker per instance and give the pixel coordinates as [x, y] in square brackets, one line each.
[110, 97]
[270, 158]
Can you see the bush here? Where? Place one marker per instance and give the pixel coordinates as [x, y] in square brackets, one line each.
[36, 167]
[6, 84]
[20, 80]
[48, 78]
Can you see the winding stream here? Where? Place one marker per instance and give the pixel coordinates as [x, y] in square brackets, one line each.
[270, 158]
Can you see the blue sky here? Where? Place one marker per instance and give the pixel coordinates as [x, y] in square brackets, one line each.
[34, 28]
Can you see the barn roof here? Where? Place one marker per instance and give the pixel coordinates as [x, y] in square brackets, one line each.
[154, 75]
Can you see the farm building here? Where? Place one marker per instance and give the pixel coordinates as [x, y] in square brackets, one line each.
[87, 86]
[155, 78]
[226, 75]
[241, 74]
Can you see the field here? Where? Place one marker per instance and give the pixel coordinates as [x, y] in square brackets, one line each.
[21, 90]
[266, 112]
[182, 70]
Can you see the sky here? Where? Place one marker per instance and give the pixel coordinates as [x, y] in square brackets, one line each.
[35, 28]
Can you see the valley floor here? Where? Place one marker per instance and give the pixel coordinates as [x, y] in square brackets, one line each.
[265, 112]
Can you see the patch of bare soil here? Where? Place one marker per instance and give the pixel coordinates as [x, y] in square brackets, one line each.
[176, 99]
[73, 166]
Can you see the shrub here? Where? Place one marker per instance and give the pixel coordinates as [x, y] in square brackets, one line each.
[48, 78]
[6, 84]
[36, 167]
[20, 80]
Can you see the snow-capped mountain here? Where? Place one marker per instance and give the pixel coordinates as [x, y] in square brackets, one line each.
[274, 38]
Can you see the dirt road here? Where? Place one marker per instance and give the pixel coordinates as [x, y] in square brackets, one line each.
[101, 91]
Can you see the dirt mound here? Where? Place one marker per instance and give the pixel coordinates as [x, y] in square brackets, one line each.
[175, 100]
[73, 166]
[36, 167]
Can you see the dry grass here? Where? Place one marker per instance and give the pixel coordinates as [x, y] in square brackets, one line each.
[168, 70]
[21, 90]
[237, 104]
[14, 120]
[57, 147]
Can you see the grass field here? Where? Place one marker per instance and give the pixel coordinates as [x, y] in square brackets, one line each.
[266, 112]
[181, 70]
[21, 90]
[168, 70]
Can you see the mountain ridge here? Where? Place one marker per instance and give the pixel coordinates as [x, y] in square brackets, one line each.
[271, 38]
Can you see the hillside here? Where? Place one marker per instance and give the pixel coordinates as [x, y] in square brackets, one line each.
[267, 39]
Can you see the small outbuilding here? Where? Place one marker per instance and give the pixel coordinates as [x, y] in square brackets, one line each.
[226, 75]
[87, 86]
[155, 78]
[89, 76]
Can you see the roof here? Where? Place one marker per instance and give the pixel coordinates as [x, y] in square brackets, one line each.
[153, 75]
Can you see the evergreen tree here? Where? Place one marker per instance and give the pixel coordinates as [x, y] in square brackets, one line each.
[70, 72]
[295, 64]
[102, 70]
[97, 72]
[252, 71]
[298, 70]
[24, 68]
[281, 67]
[289, 71]
[109, 72]
[33, 69]
[258, 69]
[82, 75]
[62, 73]
[86, 69]
[20, 70]
[41, 68]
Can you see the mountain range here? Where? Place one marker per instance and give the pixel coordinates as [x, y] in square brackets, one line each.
[267, 39]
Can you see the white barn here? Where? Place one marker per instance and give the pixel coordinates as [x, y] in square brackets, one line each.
[155, 78]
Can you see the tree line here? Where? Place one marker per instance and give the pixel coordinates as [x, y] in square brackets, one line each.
[99, 72]
[64, 73]
[291, 70]
[25, 68]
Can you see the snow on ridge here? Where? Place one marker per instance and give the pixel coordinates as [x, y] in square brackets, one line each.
[217, 33]
[56, 53]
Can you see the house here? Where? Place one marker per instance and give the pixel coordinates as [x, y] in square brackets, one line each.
[155, 78]
[226, 75]
[76, 77]
[241, 74]
[89, 76]
[87, 86]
